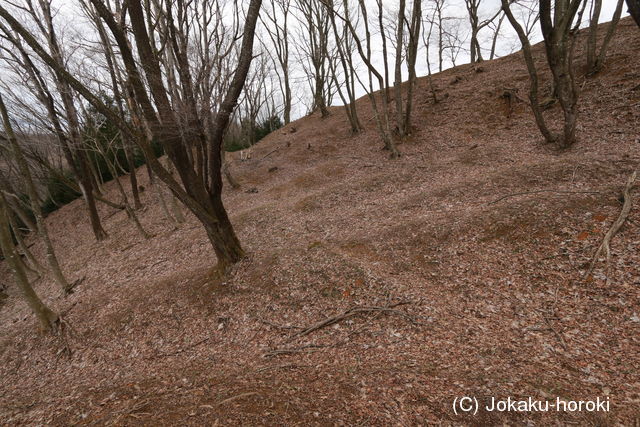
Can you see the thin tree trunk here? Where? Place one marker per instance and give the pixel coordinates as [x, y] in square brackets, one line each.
[227, 173]
[592, 36]
[412, 56]
[25, 173]
[495, 37]
[46, 317]
[35, 266]
[383, 36]
[133, 178]
[607, 38]
[398, 69]
[130, 212]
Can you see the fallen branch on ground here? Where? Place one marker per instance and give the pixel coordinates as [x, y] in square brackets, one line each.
[506, 196]
[238, 396]
[285, 366]
[277, 149]
[353, 311]
[615, 227]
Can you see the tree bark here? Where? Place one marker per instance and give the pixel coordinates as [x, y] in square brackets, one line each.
[398, 69]
[46, 317]
[412, 56]
[592, 36]
[556, 32]
[634, 10]
[86, 183]
[607, 38]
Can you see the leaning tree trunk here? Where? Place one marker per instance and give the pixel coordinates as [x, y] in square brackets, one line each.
[607, 38]
[25, 173]
[85, 179]
[45, 315]
[592, 37]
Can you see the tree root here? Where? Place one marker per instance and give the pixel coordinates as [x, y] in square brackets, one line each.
[615, 227]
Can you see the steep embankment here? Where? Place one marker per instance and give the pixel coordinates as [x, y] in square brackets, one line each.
[482, 232]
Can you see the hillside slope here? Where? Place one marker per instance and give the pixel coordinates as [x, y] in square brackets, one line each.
[478, 230]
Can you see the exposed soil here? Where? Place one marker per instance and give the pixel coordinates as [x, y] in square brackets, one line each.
[483, 232]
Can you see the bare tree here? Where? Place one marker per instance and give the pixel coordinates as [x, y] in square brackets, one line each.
[314, 42]
[453, 35]
[66, 94]
[473, 7]
[34, 199]
[556, 28]
[496, 33]
[595, 59]
[427, 34]
[412, 57]
[381, 114]
[439, 19]
[397, 84]
[556, 25]
[70, 141]
[276, 22]
[344, 48]
[201, 193]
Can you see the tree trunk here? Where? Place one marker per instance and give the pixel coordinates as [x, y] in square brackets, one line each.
[533, 75]
[398, 69]
[607, 38]
[34, 199]
[634, 10]
[86, 188]
[592, 36]
[557, 33]
[412, 56]
[223, 238]
[46, 317]
[133, 178]
[34, 264]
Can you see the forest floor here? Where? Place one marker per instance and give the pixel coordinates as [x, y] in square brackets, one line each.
[461, 263]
